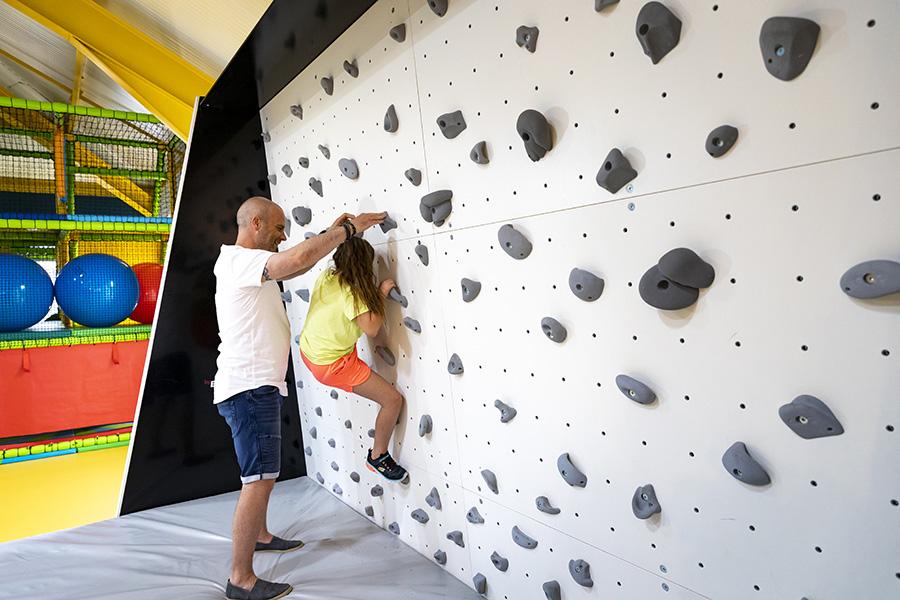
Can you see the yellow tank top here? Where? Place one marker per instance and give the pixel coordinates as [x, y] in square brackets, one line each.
[330, 331]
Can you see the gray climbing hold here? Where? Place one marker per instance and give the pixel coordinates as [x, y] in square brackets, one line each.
[478, 153]
[332, 443]
[349, 168]
[414, 176]
[810, 418]
[440, 557]
[391, 122]
[635, 390]
[787, 45]
[514, 242]
[304, 162]
[315, 185]
[299, 382]
[522, 539]
[543, 505]
[436, 206]
[386, 355]
[370, 511]
[433, 499]
[419, 515]
[301, 215]
[308, 450]
[327, 84]
[534, 130]
[348, 424]
[387, 225]
[720, 140]
[490, 479]
[273, 178]
[394, 528]
[352, 68]
[266, 136]
[313, 433]
[304, 294]
[422, 252]
[474, 517]
[570, 472]
[683, 266]
[354, 476]
[337, 490]
[615, 172]
[286, 296]
[457, 538]
[318, 411]
[581, 572]
[287, 227]
[438, 7]
[527, 37]
[397, 297]
[455, 366]
[507, 412]
[297, 110]
[553, 329]
[325, 151]
[376, 491]
[320, 479]
[585, 285]
[644, 503]
[659, 291]
[398, 33]
[551, 588]
[479, 580]
[658, 30]
[412, 324]
[743, 467]
[872, 279]
[470, 289]
[498, 561]
[425, 425]
[451, 124]
[601, 4]
[371, 433]
[334, 394]
[287, 170]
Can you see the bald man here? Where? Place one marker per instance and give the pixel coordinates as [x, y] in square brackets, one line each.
[252, 366]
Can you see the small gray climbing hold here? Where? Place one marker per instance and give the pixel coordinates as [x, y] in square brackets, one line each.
[334, 394]
[301, 215]
[327, 84]
[433, 499]
[507, 412]
[315, 185]
[615, 172]
[304, 294]
[478, 153]
[304, 162]
[266, 136]
[287, 227]
[470, 289]
[543, 505]
[398, 33]
[451, 124]
[457, 538]
[498, 561]
[455, 366]
[419, 515]
[286, 297]
[743, 467]
[787, 45]
[438, 7]
[440, 557]
[299, 382]
[658, 30]
[371, 433]
[354, 476]
[386, 355]
[490, 479]
[412, 324]
[720, 140]
[352, 68]
[370, 511]
[872, 279]
[422, 252]
[325, 151]
[313, 433]
[644, 503]
[376, 491]
[320, 479]
[551, 588]
[527, 37]
[570, 472]
[394, 528]
[348, 424]
[414, 176]
[514, 242]
[387, 225]
[425, 425]
[600, 5]
[810, 418]
[297, 110]
[635, 390]
[535, 133]
[479, 580]
[397, 297]
[308, 450]
[474, 517]
[553, 329]
[683, 266]
[349, 168]
[585, 285]
[318, 411]
[659, 291]
[522, 539]
[273, 178]
[581, 572]
[391, 122]
[436, 206]
[332, 443]
[287, 170]
[337, 490]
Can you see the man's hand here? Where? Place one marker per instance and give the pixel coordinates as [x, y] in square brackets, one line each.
[386, 286]
[341, 219]
[365, 220]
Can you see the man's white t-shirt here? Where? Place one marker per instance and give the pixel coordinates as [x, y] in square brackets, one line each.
[253, 326]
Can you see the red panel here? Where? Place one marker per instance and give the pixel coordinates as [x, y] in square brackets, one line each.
[53, 389]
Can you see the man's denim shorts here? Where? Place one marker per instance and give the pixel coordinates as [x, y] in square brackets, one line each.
[255, 420]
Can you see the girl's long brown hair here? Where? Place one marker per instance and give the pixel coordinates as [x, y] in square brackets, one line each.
[353, 265]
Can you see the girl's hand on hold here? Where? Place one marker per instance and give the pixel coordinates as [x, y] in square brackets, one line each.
[386, 286]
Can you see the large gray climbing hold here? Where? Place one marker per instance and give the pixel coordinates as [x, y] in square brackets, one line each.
[414, 176]
[635, 390]
[644, 503]
[478, 153]
[455, 366]
[474, 517]
[658, 30]
[440, 213]
[615, 172]
[500, 562]
[394, 528]
[810, 418]
[436, 206]
[354, 476]
[297, 110]
[391, 122]
[470, 289]
[490, 479]
[438, 7]
[304, 294]
[425, 425]
[440, 557]
[787, 45]
[570, 472]
[872, 279]
[527, 37]
[387, 225]
[352, 68]
[386, 355]
[332, 443]
[585, 285]
[551, 588]
[437, 198]
[479, 580]
[412, 324]
[304, 162]
[522, 539]
[301, 215]
[313, 433]
[327, 84]
[308, 451]
[581, 572]
[659, 291]
[422, 252]
[337, 490]
[371, 433]
[273, 178]
[286, 296]
[320, 479]
[334, 394]
[287, 170]
[397, 297]
[543, 505]
[376, 491]
[720, 140]
[514, 242]
[535, 133]
[683, 266]
[315, 185]
[507, 412]
[457, 538]
[325, 151]
[419, 515]
[433, 499]
[398, 33]
[349, 168]
[743, 467]
[553, 329]
[318, 411]
[601, 4]
[451, 124]
[370, 512]
[348, 424]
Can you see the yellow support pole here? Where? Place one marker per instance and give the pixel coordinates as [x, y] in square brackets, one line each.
[59, 166]
[76, 80]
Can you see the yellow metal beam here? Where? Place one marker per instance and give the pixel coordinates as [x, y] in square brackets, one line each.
[5, 92]
[47, 186]
[76, 80]
[154, 75]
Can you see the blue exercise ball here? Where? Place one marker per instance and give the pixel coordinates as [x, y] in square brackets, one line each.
[26, 293]
[97, 290]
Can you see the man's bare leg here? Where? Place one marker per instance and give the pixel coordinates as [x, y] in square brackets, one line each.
[249, 523]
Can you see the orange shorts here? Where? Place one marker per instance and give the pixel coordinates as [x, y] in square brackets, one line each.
[344, 374]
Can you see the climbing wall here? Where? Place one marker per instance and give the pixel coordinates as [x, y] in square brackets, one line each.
[713, 178]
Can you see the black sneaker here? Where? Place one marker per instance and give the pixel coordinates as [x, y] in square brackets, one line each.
[384, 465]
[262, 590]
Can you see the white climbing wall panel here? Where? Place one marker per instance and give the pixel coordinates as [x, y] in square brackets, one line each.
[809, 189]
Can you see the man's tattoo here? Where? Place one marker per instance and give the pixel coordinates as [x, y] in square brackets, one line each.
[266, 276]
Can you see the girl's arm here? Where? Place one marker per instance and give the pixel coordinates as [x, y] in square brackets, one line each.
[371, 322]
